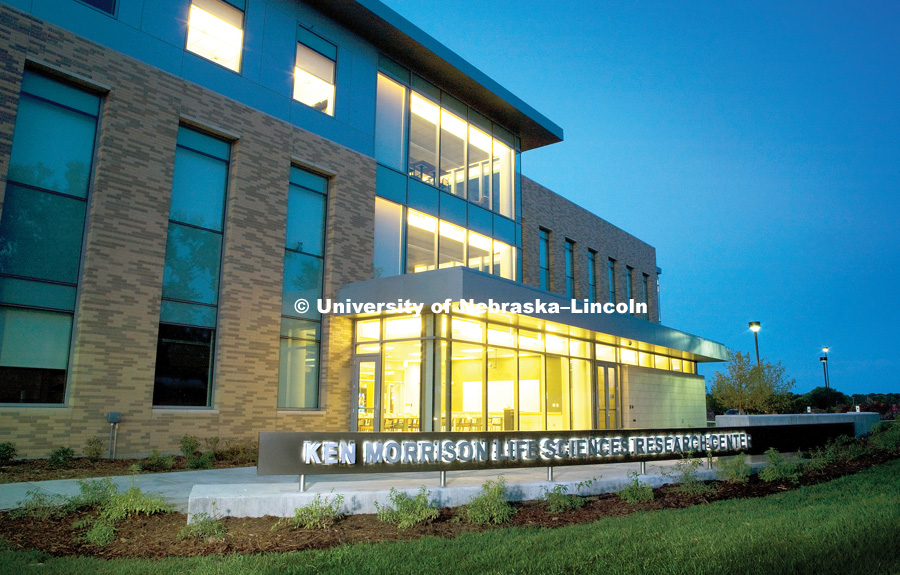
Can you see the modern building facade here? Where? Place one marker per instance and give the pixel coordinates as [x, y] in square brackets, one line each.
[178, 177]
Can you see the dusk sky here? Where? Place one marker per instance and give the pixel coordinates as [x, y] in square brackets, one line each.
[756, 146]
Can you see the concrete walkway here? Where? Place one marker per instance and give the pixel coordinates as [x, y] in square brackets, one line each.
[241, 492]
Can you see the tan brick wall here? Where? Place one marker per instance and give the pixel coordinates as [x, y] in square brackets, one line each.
[543, 208]
[117, 313]
[653, 398]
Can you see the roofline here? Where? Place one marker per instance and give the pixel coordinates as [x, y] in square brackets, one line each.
[409, 45]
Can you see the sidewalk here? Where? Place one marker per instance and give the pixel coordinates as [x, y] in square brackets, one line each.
[243, 483]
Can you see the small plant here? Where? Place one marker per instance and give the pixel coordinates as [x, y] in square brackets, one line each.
[100, 534]
[212, 443]
[587, 483]
[779, 468]
[41, 506]
[202, 461]
[158, 462]
[320, 513]
[559, 499]
[686, 476]
[885, 437]
[189, 445]
[490, 505]
[7, 452]
[61, 457]
[117, 506]
[238, 452]
[840, 450]
[734, 469]
[93, 492]
[93, 449]
[204, 526]
[407, 511]
[635, 491]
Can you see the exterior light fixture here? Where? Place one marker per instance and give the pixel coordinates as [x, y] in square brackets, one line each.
[754, 327]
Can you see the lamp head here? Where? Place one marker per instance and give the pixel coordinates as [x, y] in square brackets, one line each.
[825, 349]
[754, 326]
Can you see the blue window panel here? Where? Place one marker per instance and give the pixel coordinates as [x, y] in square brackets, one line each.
[481, 220]
[390, 185]
[504, 230]
[187, 314]
[108, 6]
[202, 143]
[393, 69]
[453, 209]
[309, 180]
[305, 221]
[64, 94]
[302, 280]
[317, 43]
[192, 265]
[34, 338]
[40, 235]
[423, 197]
[298, 374]
[198, 190]
[52, 148]
[37, 294]
[299, 328]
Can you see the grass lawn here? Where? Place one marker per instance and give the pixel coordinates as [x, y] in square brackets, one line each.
[849, 525]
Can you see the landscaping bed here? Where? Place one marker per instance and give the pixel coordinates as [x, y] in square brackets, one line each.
[81, 467]
[157, 536]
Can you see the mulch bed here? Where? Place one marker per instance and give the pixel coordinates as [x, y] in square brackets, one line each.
[156, 536]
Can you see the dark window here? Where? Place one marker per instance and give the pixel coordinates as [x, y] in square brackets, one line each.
[611, 274]
[570, 268]
[592, 275]
[108, 6]
[544, 247]
[183, 365]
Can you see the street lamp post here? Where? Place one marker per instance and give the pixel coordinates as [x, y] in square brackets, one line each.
[824, 360]
[754, 327]
[825, 350]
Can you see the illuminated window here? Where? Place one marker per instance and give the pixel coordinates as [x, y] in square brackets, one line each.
[314, 72]
[629, 356]
[216, 31]
[402, 327]
[606, 353]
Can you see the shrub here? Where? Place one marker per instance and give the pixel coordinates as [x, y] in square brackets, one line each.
[559, 499]
[100, 534]
[204, 526]
[203, 461]
[318, 514]
[238, 452]
[189, 445]
[407, 511]
[7, 452]
[94, 492]
[779, 468]
[212, 443]
[93, 449]
[132, 502]
[688, 479]
[734, 469]
[840, 450]
[158, 462]
[41, 506]
[61, 457]
[635, 491]
[490, 505]
[885, 437]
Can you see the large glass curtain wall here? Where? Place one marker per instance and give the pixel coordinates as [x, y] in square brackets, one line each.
[488, 376]
[434, 138]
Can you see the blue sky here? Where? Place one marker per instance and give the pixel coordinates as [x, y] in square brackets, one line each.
[756, 146]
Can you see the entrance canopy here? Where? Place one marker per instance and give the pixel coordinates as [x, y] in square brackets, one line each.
[463, 284]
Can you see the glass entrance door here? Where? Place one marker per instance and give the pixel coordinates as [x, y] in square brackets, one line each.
[368, 376]
[607, 397]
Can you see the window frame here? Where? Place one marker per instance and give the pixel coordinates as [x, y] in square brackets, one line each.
[310, 40]
[243, 28]
[544, 278]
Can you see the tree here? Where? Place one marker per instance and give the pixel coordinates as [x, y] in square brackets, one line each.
[752, 388]
[824, 398]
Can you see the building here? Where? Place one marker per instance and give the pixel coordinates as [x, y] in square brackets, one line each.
[177, 175]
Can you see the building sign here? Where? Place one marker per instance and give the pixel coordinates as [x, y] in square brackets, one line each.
[288, 453]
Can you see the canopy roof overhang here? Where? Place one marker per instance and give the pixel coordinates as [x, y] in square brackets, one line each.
[460, 283]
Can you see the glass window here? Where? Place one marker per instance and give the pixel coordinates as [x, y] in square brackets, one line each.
[676, 364]
[401, 387]
[480, 249]
[544, 255]
[421, 237]
[558, 400]
[592, 276]
[402, 327]
[501, 389]
[53, 147]
[37, 294]
[501, 335]
[503, 179]
[451, 245]
[198, 186]
[531, 392]
[479, 180]
[570, 268]
[606, 353]
[314, 79]
[611, 276]
[34, 338]
[184, 357]
[193, 258]
[532, 340]
[368, 330]
[424, 134]
[629, 356]
[645, 359]
[579, 348]
[504, 260]
[306, 221]
[390, 123]
[302, 280]
[467, 387]
[108, 6]
[661, 362]
[40, 234]
[216, 32]
[471, 330]
[557, 344]
[629, 271]
[388, 238]
[298, 373]
[453, 154]
[581, 394]
[187, 314]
